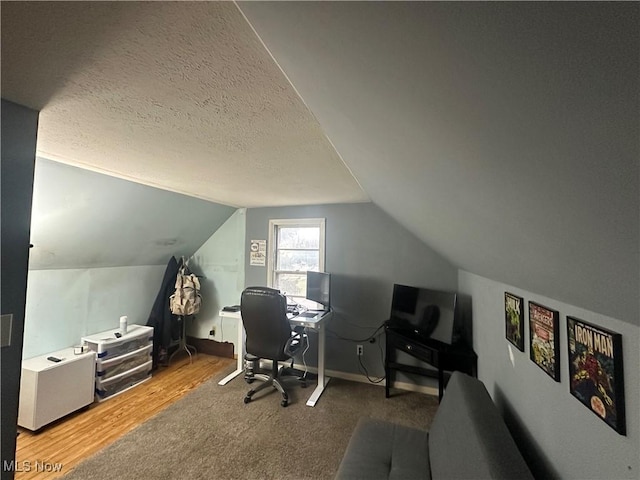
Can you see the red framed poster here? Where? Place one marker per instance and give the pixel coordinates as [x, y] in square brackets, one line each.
[596, 376]
[544, 341]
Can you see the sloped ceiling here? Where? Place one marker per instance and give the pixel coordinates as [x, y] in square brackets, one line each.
[503, 134]
[82, 219]
[177, 95]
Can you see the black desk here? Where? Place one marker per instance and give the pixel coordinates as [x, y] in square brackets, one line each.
[440, 355]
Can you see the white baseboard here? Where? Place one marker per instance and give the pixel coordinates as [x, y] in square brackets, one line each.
[356, 377]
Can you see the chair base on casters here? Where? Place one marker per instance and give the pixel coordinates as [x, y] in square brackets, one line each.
[251, 367]
[273, 380]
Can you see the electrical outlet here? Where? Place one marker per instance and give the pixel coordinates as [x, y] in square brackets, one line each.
[359, 350]
[212, 332]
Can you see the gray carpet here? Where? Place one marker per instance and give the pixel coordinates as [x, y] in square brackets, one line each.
[211, 434]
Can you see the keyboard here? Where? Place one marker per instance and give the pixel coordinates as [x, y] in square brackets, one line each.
[308, 314]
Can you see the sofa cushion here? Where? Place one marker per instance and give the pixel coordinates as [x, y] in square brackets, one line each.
[384, 450]
[468, 437]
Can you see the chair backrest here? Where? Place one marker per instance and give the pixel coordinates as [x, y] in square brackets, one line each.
[264, 315]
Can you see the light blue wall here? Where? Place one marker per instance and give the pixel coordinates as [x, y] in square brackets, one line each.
[83, 219]
[562, 437]
[101, 246]
[220, 261]
[64, 305]
[366, 253]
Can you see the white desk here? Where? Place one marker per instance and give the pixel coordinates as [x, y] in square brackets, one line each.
[239, 346]
[316, 324]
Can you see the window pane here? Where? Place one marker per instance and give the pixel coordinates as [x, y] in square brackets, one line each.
[292, 284]
[298, 260]
[299, 237]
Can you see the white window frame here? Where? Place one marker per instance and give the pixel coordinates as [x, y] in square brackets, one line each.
[274, 225]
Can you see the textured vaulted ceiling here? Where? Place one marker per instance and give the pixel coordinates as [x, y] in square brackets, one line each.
[182, 96]
[503, 134]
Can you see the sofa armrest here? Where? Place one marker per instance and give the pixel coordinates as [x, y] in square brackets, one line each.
[468, 437]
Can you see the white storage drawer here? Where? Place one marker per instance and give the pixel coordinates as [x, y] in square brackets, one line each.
[109, 345]
[50, 390]
[117, 365]
[106, 388]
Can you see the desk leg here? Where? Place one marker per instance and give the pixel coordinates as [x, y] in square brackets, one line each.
[322, 380]
[240, 349]
[388, 358]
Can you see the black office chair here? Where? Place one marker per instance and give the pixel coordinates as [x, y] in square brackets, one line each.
[269, 336]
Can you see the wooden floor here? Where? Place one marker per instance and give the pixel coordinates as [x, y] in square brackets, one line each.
[60, 446]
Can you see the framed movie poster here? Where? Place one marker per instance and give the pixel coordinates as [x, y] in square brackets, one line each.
[544, 342]
[514, 319]
[595, 371]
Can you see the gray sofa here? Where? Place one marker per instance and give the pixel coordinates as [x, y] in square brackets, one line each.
[468, 439]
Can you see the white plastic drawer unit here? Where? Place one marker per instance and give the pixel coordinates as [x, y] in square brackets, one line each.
[109, 345]
[117, 365]
[123, 361]
[106, 388]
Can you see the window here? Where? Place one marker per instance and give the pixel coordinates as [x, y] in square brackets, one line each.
[296, 245]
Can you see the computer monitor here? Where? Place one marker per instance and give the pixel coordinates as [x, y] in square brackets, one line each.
[319, 288]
